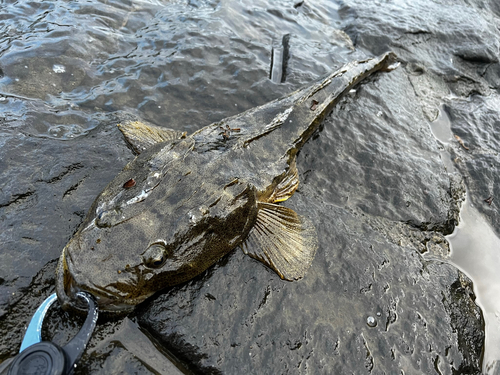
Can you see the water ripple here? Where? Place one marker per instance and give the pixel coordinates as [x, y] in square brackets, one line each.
[179, 64]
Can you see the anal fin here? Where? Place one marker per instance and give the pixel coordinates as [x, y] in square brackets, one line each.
[282, 240]
[142, 136]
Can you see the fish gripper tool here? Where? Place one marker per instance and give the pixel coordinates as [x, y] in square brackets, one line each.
[45, 357]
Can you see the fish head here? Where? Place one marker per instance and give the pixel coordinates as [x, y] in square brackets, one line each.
[135, 242]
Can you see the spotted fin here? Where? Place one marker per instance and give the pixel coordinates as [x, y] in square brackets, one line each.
[141, 136]
[282, 240]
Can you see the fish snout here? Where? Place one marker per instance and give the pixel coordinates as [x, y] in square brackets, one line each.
[69, 283]
[66, 288]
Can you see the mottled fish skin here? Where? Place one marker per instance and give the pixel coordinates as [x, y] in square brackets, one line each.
[186, 201]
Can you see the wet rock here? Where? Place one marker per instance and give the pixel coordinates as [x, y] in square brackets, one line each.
[456, 40]
[476, 122]
[14, 323]
[430, 89]
[44, 179]
[373, 141]
[461, 310]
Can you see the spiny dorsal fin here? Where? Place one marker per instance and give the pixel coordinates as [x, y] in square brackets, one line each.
[282, 240]
[142, 136]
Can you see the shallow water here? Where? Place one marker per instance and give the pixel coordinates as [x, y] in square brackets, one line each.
[183, 64]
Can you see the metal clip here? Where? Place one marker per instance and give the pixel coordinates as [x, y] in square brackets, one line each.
[45, 357]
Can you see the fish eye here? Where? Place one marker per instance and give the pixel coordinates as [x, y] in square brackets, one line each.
[155, 255]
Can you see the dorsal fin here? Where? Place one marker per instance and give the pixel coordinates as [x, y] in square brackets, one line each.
[282, 240]
[141, 136]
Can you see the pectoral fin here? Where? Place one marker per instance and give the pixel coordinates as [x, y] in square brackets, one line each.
[141, 136]
[282, 240]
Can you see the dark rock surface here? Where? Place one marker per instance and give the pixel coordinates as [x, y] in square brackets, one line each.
[373, 139]
[452, 53]
[47, 188]
[477, 123]
[372, 179]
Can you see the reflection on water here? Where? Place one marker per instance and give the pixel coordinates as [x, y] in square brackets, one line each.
[441, 127]
[475, 249]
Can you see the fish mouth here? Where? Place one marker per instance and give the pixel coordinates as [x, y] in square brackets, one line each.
[67, 288]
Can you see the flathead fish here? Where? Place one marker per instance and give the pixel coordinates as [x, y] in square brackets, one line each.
[187, 200]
